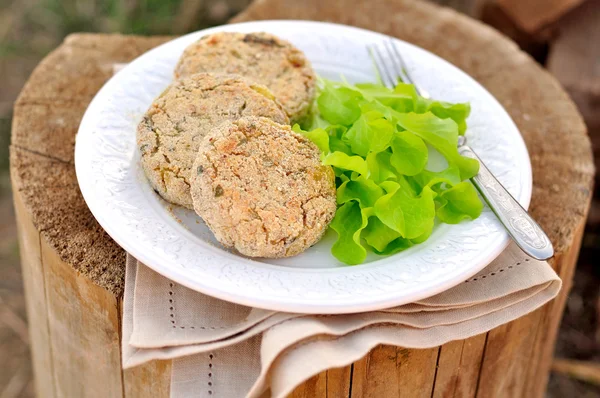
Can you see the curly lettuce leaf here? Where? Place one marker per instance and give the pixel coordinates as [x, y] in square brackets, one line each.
[346, 162]
[405, 100]
[349, 221]
[449, 176]
[318, 136]
[442, 134]
[402, 98]
[336, 132]
[424, 236]
[459, 203]
[409, 215]
[395, 246]
[409, 153]
[380, 166]
[390, 186]
[378, 235]
[337, 145]
[361, 189]
[314, 120]
[370, 132]
[376, 143]
[339, 105]
[376, 106]
[457, 112]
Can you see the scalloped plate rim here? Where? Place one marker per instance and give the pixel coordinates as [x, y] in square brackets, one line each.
[284, 303]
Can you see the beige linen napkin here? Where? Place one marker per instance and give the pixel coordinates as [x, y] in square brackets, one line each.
[227, 350]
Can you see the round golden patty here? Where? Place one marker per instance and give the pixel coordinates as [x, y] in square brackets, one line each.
[260, 57]
[261, 188]
[173, 127]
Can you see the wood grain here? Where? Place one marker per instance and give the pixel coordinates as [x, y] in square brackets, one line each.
[84, 332]
[332, 383]
[390, 371]
[469, 368]
[547, 327]
[373, 373]
[35, 294]
[74, 272]
[507, 356]
[149, 380]
[448, 369]
[339, 381]
[73, 322]
[315, 387]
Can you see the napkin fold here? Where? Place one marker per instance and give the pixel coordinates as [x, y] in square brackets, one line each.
[221, 349]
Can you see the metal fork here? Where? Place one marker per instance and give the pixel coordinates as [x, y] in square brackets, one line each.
[526, 233]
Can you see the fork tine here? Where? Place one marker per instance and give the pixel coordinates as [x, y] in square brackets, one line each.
[399, 64]
[381, 71]
[384, 73]
[397, 61]
[394, 65]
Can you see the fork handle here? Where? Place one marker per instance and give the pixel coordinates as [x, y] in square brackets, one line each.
[523, 229]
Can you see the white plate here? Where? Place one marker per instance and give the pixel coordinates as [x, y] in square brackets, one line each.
[175, 242]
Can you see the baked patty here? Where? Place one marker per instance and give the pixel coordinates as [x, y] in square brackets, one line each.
[261, 188]
[260, 57]
[171, 131]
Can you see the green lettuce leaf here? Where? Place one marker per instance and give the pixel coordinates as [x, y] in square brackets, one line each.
[444, 110]
[348, 222]
[361, 189]
[442, 134]
[409, 215]
[337, 145]
[346, 162]
[318, 136]
[395, 246]
[371, 132]
[459, 203]
[390, 186]
[314, 120]
[402, 98]
[378, 235]
[423, 237]
[339, 105]
[406, 98]
[376, 106]
[449, 176]
[336, 132]
[376, 138]
[380, 166]
[409, 153]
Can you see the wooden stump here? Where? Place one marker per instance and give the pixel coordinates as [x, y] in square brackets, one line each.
[74, 272]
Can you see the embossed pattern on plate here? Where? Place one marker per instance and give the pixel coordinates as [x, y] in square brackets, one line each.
[526, 233]
[175, 243]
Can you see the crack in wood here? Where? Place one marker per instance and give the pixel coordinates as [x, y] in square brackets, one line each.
[44, 155]
[487, 335]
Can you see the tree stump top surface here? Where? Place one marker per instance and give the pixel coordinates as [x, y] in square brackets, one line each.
[52, 103]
